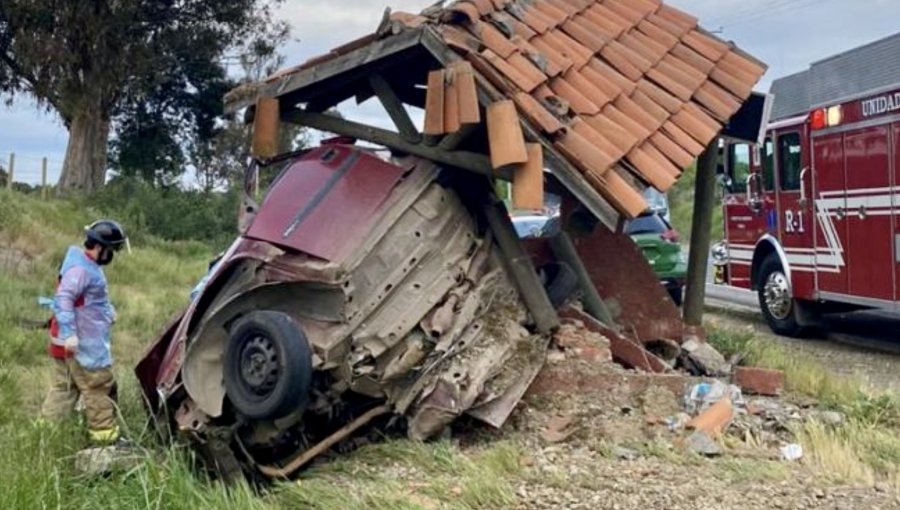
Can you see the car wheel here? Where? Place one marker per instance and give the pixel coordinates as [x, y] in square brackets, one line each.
[268, 365]
[560, 282]
[778, 305]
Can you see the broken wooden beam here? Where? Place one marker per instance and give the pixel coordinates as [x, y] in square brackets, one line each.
[395, 108]
[473, 162]
[519, 266]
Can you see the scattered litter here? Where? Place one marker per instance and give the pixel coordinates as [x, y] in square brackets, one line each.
[104, 460]
[677, 422]
[703, 395]
[791, 452]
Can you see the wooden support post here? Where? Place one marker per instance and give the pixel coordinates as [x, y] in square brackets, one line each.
[519, 266]
[565, 252]
[44, 178]
[704, 201]
[10, 170]
[394, 108]
[477, 163]
[452, 141]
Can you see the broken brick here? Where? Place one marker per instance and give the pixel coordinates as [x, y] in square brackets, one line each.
[759, 381]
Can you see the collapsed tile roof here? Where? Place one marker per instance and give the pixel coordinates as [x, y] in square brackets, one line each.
[630, 92]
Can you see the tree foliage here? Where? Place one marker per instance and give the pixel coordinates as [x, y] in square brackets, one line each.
[144, 62]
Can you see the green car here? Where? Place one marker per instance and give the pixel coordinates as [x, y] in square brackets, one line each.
[659, 242]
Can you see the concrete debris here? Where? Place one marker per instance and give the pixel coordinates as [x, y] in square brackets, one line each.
[700, 358]
[759, 381]
[623, 453]
[700, 442]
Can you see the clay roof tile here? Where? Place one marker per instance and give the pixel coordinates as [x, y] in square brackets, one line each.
[654, 172]
[537, 114]
[584, 154]
[585, 129]
[588, 88]
[553, 50]
[537, 57]
[609, 18]
[556, 15]
[485, 7]
[672, 150]
[518, 74]
[705, 45]
[625, 60]
[535, 19]
[578, 52]
[680, 18]
[623, 139]
[468, 10]
[717, 100]
[583, 30]
[626, 10]
[696, 60]
[579, 102]
[675, 29]
[657, 34]
[622, 82]
[492, 38]
[659, 96]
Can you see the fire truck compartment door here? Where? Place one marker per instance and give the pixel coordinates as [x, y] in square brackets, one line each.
[830, 206]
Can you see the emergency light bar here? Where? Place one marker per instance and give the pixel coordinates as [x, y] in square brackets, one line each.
[826, 117]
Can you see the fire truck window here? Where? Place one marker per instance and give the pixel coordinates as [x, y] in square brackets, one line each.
[739, 165]
[768, 165]
[789, 161]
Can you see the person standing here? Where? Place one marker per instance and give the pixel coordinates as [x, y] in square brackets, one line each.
[80, 334]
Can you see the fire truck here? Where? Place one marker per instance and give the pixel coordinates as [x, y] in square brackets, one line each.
[811, 212]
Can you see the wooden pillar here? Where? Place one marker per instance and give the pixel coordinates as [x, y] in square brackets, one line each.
[44, 178]
[10, 169]
[704, 201]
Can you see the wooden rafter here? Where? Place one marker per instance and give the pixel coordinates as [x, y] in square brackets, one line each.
[395, 108]
[470, 161]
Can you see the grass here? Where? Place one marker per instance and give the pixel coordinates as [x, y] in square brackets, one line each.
[866, 448]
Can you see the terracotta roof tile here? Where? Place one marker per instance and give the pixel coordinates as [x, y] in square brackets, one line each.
[532, 17]
[623, 139]
[588, 88]
[600, 81]
[683, 139]
[696, 60]
[584, 154]
[613, 113]
[528, 180]
[622, 195]
[492, 38]
[659, 96]
[610, 24]
[626, 61]
[657, 34]
[555, 14]
[680, 18]
[466, 9]
[672, 150]
[580, 103]
[620, 80]
[655, 173]
[505, 137]
[538, 114]
[485, 7]
[624, 9]
[537, 57]
[549, 48]
[705, 45]
[582, 29]
[675, 29]
[585, 129]
[579, 53]
[519, 75]
[616, 86]
[717, 100]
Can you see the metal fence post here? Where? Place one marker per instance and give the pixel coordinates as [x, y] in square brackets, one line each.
[10, 170]
[44, 179]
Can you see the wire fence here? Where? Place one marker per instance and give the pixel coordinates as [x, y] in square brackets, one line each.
[30, 173]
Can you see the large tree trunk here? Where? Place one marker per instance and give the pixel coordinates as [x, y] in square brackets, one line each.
[84, 168]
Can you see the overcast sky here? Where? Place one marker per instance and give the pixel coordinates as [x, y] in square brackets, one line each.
[786, 34]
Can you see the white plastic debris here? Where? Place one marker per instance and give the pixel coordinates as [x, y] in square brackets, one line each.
[703, 395]
[791, 452]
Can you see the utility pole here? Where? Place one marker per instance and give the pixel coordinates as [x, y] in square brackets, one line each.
[10, 170]
[704, 201]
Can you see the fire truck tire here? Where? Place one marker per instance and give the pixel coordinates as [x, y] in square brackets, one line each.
[778, 306]
[268, 365]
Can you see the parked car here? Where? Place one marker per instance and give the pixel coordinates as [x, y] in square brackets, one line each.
[336, 306]
[659, 242]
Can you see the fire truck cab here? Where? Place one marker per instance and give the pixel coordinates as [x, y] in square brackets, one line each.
[811, 213]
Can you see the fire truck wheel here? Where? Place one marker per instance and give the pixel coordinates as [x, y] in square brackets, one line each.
[268, 365]
[775, 300]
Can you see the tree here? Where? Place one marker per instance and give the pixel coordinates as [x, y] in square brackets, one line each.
[92, 60]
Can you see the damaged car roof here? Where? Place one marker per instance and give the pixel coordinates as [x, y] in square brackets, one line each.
[625, 94]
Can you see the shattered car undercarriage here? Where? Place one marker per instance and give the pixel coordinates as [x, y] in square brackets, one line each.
[409, 311]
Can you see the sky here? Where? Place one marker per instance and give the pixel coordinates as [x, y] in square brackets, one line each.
[786, 34]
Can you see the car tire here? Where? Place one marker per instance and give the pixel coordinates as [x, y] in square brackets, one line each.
[560, 282]
[268, 365]
[781, 311]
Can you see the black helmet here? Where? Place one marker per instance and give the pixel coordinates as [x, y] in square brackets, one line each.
[107, 233]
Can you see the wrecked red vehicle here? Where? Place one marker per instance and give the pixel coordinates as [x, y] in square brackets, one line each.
[361, 287]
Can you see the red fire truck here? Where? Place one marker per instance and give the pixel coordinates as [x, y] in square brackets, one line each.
[811, 213]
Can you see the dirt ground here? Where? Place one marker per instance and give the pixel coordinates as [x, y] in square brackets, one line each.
[612, 450]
